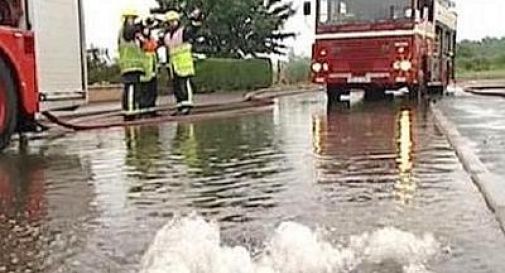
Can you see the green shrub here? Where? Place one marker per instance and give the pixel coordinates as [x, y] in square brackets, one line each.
[298, 70]
[500, 61]
[477, 56]
[211, 75]
[104, 74]
[232, 74]
[481, 64]
[474, 64]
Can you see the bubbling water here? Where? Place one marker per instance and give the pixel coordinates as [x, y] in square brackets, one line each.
[193, 245]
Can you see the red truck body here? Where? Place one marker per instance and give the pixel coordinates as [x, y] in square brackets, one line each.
[18, 47]
[38, 71]
[414, 50]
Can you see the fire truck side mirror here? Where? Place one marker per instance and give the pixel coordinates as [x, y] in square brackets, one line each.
[307, 8]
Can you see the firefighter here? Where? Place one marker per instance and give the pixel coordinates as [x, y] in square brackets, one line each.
[132, 62]
[149, 81]
[178, 40]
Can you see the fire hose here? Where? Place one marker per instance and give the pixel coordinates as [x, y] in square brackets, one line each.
[490, 90]
[114, 118]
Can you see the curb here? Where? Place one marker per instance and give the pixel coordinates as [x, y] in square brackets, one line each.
[256, 99]
[258, 94]
[489, 184]
[90, 113]
[485, 87]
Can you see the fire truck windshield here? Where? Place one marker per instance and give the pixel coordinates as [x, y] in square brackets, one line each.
[340, 12]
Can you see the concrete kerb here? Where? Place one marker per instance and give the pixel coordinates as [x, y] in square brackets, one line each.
[494, 88]
[258, 94]
[489, 184]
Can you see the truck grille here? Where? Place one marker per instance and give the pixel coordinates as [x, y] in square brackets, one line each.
[361, 51]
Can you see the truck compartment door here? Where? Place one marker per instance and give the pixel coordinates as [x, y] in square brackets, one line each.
[60, 50]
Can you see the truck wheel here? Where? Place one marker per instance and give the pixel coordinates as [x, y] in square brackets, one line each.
[8, 105]
[334, 94]
[375, 93]
[437, 90]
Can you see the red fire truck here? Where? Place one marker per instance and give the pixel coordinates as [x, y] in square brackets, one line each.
[383, 45]
[42, 61]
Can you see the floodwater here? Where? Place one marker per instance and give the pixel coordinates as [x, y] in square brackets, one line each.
[298, 188]
[481, 120]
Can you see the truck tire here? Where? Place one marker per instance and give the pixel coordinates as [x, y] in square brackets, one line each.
[8, 105]
[334, 94]
[375, 93]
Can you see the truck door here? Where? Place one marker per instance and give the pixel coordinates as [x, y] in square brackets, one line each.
[60, 49]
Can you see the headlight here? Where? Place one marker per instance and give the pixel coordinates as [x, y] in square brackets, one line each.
[326, 67]
[316, 67]
[396, 65]
[405, 65]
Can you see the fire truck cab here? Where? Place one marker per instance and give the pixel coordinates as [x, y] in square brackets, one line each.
[42, 61]
[383, 45]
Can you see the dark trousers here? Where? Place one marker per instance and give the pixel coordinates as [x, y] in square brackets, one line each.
[183, 91]
[132, 92]
[149, 94]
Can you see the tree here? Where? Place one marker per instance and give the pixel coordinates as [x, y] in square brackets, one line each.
[482, 55]
[238, 28]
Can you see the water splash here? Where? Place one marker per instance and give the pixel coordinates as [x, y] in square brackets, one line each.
[193, 245]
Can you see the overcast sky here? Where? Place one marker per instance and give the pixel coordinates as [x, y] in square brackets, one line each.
[477, 19]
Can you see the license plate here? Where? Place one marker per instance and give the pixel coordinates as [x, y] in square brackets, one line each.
[359, 80]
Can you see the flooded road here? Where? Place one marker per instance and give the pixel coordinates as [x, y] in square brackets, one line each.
[374, 188]
[481, 120]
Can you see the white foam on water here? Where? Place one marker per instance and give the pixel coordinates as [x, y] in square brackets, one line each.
[393, 244]
[453, 89]
[193, 245]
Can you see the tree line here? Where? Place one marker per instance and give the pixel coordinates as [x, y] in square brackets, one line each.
[486, 54]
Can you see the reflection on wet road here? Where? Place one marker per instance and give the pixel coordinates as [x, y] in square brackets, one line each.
[93, 201]
[480, 119]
